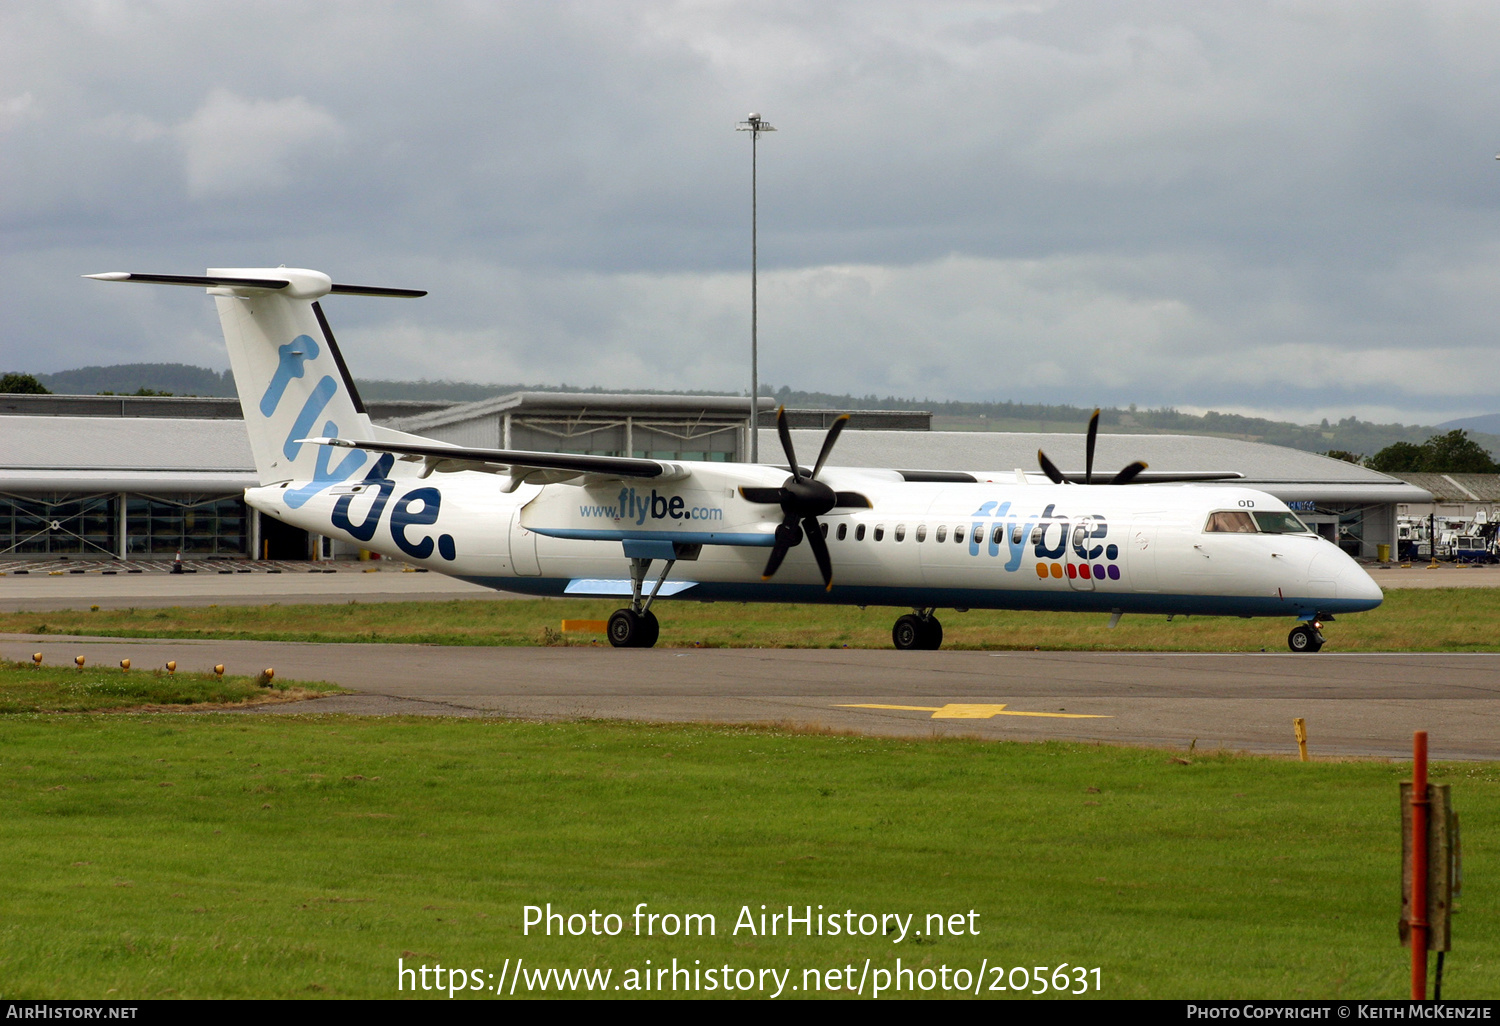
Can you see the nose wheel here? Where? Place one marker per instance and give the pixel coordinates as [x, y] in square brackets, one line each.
[1305, 637]
[917, 631]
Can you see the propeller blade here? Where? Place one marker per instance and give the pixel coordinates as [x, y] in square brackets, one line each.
[774, 563]
[1129, 473]
[786, 442]
[1049, 468]
[1088, 449]
[832, 436]
[763, 496]
[814, 532]
[852, 500]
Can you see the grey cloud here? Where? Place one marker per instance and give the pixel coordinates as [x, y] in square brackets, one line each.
[1288, 206]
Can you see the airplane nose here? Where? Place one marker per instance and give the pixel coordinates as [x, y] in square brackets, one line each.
[1350, 582]
[1355, 583]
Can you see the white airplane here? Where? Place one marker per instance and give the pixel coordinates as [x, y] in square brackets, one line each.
[562, 524]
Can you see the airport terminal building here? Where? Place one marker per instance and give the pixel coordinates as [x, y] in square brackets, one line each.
[126, 477]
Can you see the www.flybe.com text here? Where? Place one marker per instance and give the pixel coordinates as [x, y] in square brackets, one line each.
[639, 508]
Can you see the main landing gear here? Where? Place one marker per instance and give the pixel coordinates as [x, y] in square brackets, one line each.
[636, 627]
[1306, 637]
[918, 630]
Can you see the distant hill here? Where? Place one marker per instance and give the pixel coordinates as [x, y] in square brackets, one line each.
[1350, 434]
[124, 378]
[1489, 423]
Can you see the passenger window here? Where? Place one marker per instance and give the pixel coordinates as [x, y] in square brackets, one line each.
[997, 535]
[859, 533]
[922, 533]
[959, 534]
[978, 533]
[1015, 535]
[825, 530]
[900, 532]
[941, 535]
[1036, 535]
[1231, 521]
[880, 532]
[843, 531]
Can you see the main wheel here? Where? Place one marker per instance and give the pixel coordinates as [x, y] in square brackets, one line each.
[629, 629]
[650, 630]
[1304, 638]
[909, 633]
[933, 635]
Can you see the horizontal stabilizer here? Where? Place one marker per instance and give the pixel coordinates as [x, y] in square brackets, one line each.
[376, 290]
[213, 281]
[198, 280]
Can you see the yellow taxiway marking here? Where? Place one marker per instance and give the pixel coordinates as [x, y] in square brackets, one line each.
[975, 712]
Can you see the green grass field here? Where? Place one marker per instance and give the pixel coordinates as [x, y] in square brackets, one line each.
[1446, 620]
[28, 688]
[223, 856]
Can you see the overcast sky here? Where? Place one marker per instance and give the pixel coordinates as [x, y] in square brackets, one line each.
[1285, 208]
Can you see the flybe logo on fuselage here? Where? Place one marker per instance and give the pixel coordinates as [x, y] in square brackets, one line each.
[638, 508]
[1061, 547]
[417, 508]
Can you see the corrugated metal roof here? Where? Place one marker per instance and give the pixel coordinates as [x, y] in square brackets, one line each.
[124, 444]
[580, 403]
[1458, 487]
[152, 452]
[1005, 450]
[1287, 473]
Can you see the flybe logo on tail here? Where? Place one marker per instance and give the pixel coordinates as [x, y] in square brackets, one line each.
[293, 355]
[290, 366]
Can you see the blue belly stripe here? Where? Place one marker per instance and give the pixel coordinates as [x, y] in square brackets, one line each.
[973, 598]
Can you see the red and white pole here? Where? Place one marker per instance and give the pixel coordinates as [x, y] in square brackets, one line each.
[1419, 924]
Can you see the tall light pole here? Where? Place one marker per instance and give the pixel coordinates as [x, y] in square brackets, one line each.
[754, 125]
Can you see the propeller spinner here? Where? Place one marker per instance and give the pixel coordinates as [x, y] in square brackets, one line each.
[1125, 476]
[803, 498]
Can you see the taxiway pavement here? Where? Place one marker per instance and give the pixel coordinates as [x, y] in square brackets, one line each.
[1354, 704]
[55, 585]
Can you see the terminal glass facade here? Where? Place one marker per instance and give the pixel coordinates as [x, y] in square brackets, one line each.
[58, 525]
[88, 526]
[192, 524]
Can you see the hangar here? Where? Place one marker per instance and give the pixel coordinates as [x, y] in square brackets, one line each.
[130, 477]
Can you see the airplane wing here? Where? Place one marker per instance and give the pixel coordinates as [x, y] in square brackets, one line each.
[519, 465]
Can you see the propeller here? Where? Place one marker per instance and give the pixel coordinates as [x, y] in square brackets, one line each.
[803, 498]
[1125, 476]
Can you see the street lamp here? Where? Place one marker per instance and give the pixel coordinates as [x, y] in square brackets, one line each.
[754, 125]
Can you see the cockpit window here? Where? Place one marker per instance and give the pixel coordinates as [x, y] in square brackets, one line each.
[1231, 521]
[1281, 523]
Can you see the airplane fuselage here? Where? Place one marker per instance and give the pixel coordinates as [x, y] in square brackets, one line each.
[999, 545]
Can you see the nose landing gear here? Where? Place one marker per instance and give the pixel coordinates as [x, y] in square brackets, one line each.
[1305, 637]
[918, 630]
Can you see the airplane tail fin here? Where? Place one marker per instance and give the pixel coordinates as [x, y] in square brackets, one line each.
[292, 380]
